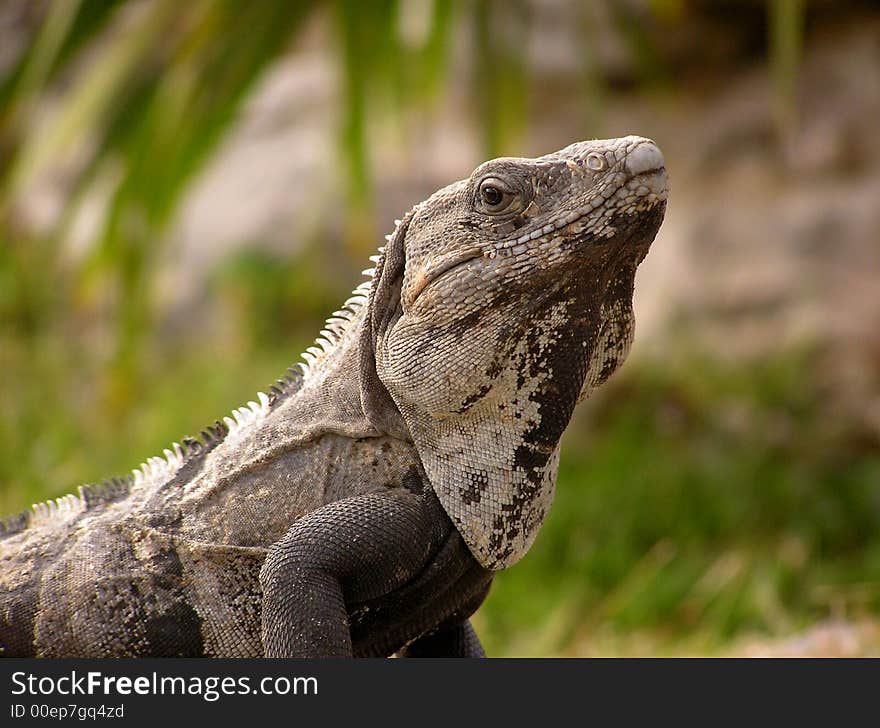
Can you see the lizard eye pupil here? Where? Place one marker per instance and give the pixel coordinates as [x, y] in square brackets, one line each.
[492, 195]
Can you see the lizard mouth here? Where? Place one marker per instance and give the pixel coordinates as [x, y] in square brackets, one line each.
[441, 267]
[655, 180]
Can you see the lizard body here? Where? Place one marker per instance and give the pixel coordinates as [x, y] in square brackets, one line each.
[364, 504]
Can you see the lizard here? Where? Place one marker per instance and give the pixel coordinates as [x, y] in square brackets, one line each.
[363, 504]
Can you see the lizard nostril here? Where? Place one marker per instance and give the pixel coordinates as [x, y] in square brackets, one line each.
[644, 158]
[595, 162]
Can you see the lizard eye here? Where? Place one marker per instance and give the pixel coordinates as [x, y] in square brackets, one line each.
[495, 196]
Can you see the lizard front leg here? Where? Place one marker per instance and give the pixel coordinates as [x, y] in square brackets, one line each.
[350, 551]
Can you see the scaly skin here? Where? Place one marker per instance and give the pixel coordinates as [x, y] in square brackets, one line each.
[363, 506]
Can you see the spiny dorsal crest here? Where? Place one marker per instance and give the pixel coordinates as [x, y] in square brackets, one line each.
[164, 467]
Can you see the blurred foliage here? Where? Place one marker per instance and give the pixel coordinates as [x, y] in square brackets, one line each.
[786, 37]
[696, 500]
[143, 93]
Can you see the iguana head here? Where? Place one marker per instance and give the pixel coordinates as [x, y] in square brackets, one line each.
[496, 306]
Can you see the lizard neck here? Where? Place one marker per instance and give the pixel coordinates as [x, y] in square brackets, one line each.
[329, 400]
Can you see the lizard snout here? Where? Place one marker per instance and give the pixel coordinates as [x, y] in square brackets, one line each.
[646, 157]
